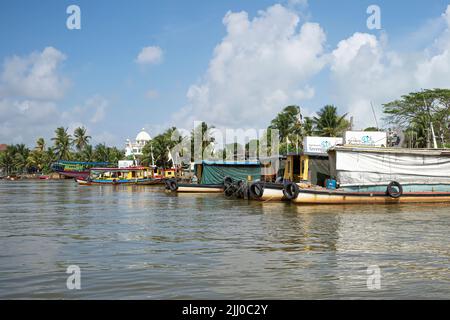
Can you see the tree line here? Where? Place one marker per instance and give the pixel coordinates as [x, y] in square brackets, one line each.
[417, 115]
[20, 159]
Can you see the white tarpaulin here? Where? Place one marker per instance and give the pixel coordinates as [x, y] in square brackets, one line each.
[377, 167]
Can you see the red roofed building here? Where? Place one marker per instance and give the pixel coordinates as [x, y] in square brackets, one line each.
[3, 147]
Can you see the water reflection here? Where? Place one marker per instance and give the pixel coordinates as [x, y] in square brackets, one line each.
[140, 242]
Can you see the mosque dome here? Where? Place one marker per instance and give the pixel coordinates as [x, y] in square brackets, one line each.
[143, 136]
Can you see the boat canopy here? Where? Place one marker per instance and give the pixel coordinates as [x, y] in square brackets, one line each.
[379, 166]
[214, 172]
[83, 163]
[121, 169]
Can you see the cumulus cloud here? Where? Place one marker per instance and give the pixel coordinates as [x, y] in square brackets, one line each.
[34, 76]
[150, 55]
[31, 88]
[365, 70]
[259, 66]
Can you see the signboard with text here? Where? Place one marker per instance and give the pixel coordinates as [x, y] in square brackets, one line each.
[319, 145]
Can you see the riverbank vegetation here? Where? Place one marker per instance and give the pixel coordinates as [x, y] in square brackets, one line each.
[19, 158]
[415, 115]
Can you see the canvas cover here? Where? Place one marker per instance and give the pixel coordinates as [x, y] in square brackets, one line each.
[214, 173]
[365, 167]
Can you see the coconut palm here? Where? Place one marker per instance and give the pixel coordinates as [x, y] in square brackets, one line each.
[7, 159]
[81, 138]
[20, 157]
[87, 154]
[62, 144]
[40, 144]
[328, 123]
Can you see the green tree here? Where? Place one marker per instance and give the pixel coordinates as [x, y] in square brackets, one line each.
[159, 147]
[328, 123]
[87, 154]
[288, 123]
[81, 139]
[62, 144]
[7, 159]
[20, 157]
[416, 111]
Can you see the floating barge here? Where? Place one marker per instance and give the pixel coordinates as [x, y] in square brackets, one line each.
[380, 176]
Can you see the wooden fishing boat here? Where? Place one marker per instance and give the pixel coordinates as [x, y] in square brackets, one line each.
[120, 176]
[76, 169]
[212, 176]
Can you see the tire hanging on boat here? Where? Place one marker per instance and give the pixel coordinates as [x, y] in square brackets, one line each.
[256, 190]
[173, 185]
[291, 190]
[394, 190]
[229, 190]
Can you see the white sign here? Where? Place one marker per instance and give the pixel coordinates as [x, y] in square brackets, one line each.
[366, 138]
[320, 145]
[125, 163]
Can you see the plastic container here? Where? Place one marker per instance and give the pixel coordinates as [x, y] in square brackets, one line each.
[330, 184]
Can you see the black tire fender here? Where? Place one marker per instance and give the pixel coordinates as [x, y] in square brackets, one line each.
[291, 190]
[392, 192]
[173, 185]
[256, 190]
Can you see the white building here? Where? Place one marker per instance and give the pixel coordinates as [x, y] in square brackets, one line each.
[135, 148]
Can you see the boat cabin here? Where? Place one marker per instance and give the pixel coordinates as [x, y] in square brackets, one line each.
[121, 173]
[300, 167]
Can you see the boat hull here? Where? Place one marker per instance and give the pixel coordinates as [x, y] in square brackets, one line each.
[193, 188]
[271, 192]
[119, 182]
[337, 197]
[74, 174]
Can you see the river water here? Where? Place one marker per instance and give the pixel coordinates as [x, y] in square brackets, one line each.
[138, 242]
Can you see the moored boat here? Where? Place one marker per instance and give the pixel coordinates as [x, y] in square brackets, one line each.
[120, 176]
[76, 169]
[214, 176]
[380, 176]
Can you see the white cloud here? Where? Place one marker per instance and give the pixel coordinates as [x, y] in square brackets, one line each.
[261, 65]
[364, 70]
[30, 90]
[150, 55]
[34, 76]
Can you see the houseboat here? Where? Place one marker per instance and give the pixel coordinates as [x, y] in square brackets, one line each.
[119, 176]
[76, 169]
[378, 175]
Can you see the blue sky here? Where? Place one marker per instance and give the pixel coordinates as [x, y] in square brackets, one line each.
[100, 62]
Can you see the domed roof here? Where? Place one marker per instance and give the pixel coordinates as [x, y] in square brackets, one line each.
[143, 136]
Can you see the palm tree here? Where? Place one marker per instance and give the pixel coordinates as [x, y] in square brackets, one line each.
[62, 144]
[101, 153]
[40, 144]
[328, 123]
[81, 139]
[201, 132]
[20, 157]
[288, 124]
[7, 159]
[87, 154]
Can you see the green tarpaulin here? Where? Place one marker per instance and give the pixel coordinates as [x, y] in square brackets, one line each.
[215, 172]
